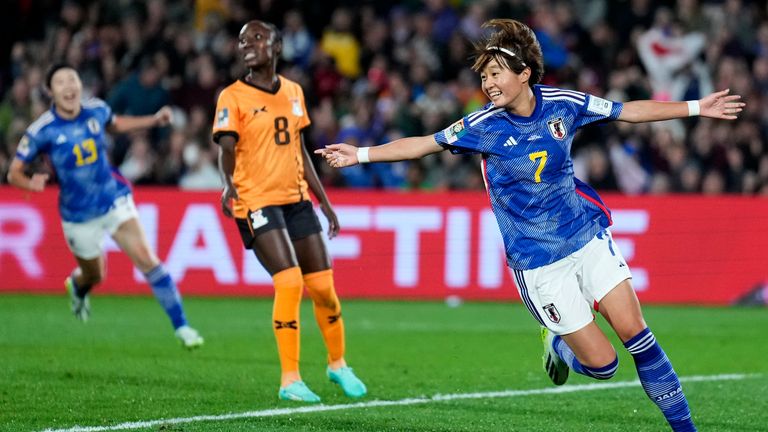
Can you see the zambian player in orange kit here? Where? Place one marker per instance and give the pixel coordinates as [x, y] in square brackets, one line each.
[267, 172]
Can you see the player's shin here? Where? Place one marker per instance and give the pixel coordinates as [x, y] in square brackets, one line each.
[660, 380]
[79, 284]
[567, 355]
[167, 295]
[285, 317]
[327, 312]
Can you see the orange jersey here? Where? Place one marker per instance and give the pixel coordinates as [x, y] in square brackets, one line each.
[269, 167]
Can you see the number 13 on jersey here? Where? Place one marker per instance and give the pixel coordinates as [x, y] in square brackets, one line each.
[541, 156]
[85, 152]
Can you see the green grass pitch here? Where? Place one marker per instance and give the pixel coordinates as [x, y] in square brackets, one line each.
[125, 366]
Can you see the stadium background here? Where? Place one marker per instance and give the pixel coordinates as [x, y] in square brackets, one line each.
[688, 201]
[375, 71]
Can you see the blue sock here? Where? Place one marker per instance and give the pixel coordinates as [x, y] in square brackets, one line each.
[80, 291]
[566, 354]
[660, 381]
[167, 295]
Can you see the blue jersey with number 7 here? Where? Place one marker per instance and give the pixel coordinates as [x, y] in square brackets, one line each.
[88, 183]
[544, 212]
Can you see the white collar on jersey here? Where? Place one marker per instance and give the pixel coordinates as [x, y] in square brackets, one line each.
[505, 51]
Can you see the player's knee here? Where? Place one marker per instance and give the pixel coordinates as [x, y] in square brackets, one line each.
[604, 372]
[320, 287]
[289, 280]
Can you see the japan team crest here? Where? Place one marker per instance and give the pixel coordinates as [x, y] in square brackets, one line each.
[552, 313]
[557, 128]
[93, 126]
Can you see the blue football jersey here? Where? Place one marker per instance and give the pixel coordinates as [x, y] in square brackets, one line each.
[77, 149]
[544, 212]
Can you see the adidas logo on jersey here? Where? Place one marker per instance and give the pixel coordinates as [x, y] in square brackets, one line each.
[61, 139]
[510, 142]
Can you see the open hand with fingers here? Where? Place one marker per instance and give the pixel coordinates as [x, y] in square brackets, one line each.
[333, 220]
[721, 105]
[339, 155]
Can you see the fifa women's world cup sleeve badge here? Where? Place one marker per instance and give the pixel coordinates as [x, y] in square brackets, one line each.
[296, 108]
[222, 118]
[23, 147]
[455, 131]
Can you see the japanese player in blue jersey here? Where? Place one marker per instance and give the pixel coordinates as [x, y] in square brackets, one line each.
[94, 198]
[555, 227]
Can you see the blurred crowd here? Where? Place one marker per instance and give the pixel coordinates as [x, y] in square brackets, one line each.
[373, 71]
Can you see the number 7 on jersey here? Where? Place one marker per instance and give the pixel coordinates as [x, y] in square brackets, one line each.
[542, 157]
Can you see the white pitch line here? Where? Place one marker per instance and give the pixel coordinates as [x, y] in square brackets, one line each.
[385, 403]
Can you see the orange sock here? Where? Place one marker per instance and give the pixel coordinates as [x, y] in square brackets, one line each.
[327, 311]
[285, 316]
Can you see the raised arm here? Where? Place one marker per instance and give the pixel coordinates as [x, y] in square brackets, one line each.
[719, 105]
[122, 123]
[342, 155]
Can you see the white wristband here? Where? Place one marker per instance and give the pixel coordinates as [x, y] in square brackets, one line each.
[362, 155]
[693, 108]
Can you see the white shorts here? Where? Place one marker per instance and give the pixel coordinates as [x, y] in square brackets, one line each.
[561, 295]
[86, 239]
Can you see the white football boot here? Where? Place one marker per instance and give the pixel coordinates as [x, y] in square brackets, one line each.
[189, 337]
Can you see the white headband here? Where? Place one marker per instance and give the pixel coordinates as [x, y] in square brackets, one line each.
[505, 51]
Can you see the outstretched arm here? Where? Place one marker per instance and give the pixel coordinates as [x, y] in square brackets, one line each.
[123, 124]
[719, 105]
[343, 155]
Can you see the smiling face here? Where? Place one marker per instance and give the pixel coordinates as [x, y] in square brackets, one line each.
[503, 86]
[258, 45]
[66, 90]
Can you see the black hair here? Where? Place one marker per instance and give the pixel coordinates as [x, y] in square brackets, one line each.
[513, 45]
[53, 69]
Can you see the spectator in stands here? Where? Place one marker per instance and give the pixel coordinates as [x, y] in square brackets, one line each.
[340, 43]
[201, 173]
[140, 93]
[297, 42]
[445, 20]
[170, 165]
[668, 54]
[201, 87]
[16, 104]
[138, 163]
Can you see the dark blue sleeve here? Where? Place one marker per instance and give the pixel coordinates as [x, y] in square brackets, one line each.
[460, 138]
[597, 109]
[108, 115]
[31, 145]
